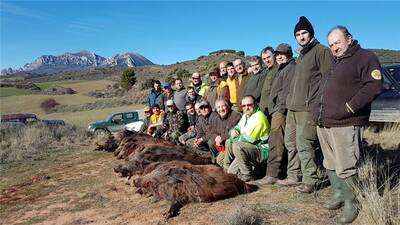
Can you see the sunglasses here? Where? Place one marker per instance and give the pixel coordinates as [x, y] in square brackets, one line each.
[247, 105]
[196, 78]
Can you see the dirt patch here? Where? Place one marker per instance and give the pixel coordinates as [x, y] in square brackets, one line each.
[81, 188]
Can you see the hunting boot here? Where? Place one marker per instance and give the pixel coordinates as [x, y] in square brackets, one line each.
[350, 210]
[336, 200]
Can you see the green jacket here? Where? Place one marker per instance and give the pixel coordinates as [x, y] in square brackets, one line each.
[312, 64]
[200, 89]
[280, 87]
[255, 130]
[254, 85]
[266, 88]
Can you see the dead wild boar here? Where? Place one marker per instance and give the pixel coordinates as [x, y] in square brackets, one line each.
[181, 182]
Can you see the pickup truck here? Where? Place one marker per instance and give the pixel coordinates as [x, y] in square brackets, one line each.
[114, 123]
[386, 107]
[26, 119]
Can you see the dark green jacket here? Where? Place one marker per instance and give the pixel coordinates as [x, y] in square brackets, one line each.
[244, 78]
[280, 87]
[313, 63]
[254, 85]
[266, 88]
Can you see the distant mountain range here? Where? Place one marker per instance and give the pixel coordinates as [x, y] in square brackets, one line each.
[83, 60]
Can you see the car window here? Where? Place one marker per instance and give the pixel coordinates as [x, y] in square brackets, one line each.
[31, 120]
[395, 72]
[117, 117]
[128, 115]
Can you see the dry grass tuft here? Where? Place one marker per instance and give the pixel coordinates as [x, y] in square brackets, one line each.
[31, 142]
[243, 215]
[378, 199]
[387, 136]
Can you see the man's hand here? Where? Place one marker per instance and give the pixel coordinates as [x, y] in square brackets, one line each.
[234, 133]
[191, 128]
[218, 140]
[198, 141]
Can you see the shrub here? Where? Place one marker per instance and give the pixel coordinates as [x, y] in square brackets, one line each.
[128, 78]
[147, 84]
[48, 105]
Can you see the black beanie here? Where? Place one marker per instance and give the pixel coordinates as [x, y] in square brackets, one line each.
[304, 24]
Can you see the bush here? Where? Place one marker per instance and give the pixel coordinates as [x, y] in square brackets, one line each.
[147, 84]
[128, 78]
[48, 105]
[32, 142]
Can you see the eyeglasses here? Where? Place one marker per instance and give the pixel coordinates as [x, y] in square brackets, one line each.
[170, 106]
[196, 78]
[247, 105]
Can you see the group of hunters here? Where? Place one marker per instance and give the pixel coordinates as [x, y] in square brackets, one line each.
[279, 105]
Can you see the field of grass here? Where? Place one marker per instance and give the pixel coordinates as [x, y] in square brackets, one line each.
[21, 101]
[12, 91]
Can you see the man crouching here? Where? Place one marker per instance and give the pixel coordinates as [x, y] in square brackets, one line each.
[248, 141]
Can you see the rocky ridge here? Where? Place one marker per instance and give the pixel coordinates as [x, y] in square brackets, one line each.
[48, 64]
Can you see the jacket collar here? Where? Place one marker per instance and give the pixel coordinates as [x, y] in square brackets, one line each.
[286, 63]
[309, 46]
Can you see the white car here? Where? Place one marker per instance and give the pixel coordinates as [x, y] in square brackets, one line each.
[135, 126]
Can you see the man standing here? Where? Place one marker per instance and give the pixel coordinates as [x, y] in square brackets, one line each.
[156, 96]
[268, 57]
[217, 88]
[300, 132]
[243, 78]
[343, 110]
[248, 139]
[199, 87]
[223, 73]
[277, 109]
[191, 96]
[256, 81]
[232, 83]
[179, 94]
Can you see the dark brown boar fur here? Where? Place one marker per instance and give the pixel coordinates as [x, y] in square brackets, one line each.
[138, 162]
[181, 182]
[136, 143]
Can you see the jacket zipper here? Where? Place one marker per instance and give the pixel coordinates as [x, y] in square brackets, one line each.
[321, 107]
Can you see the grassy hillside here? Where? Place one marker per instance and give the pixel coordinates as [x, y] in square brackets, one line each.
[23, 101]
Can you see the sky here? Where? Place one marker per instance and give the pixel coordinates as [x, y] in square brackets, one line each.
[166, 32]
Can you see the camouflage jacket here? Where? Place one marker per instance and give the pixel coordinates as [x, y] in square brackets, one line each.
[175, 121]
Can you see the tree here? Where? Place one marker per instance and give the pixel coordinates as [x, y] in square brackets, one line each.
[128, 78]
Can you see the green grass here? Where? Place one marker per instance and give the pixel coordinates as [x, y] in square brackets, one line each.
[45, 85]
[12, 100]
[12, 91]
